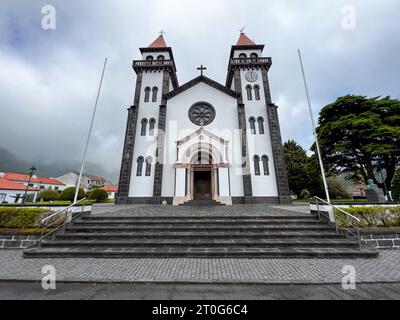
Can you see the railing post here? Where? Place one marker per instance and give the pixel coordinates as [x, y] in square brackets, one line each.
[319, 214]
[359, 238]
[334, 220]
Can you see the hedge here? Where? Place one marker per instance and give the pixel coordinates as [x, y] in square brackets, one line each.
[48, 195]
[25, 217]
[69, 194]
[375, 216]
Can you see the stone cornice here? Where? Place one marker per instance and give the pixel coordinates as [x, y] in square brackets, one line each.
[205, 80]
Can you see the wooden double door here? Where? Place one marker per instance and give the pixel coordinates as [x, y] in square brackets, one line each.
[202, 189]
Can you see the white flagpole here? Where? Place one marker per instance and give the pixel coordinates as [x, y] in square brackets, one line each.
[89, 134]
[314, 132]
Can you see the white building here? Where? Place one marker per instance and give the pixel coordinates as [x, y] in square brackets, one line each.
[112, 191]
[203, 140]
[12, 192]
[88, 181]
[34, 181]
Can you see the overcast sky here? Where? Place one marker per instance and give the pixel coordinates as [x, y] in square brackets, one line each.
[49, 78]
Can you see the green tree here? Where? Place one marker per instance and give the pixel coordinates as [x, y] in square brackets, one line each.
[359, 135]
[99, 195]
[336, 188]
[48, 195]
[296, 160]
[68, 194]
[315, 183]
[395, 187]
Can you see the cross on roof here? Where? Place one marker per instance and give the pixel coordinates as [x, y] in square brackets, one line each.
[201, 68]
[162, 32]
[241, 29]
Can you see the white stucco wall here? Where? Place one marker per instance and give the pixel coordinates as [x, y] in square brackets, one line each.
[259, 144]
[224, 125]
[145, 146]
[9, 194]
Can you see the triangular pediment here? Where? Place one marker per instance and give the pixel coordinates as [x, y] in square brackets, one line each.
[207, 81]
[200, 132]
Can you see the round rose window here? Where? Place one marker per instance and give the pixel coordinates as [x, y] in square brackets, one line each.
[202, 113]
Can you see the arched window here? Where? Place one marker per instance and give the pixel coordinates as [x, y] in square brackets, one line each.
[147, 94]
[149, 58]
[257, 92]
[154, 97]
[252, 122]
[254, 55]
[139, 166]
[152, 123]
[265, 161]
[260, 121]
[249, 93]
[149, 160]
[160, 57]
[256, 160]
[144, 126]
[242, 56]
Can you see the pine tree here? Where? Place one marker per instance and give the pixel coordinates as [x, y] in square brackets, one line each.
[395, 187]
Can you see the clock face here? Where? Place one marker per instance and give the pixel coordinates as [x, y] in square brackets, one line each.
[251, 76]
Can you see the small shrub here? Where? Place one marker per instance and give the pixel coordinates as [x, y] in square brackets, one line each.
[99, 195]
[305, 194]
[376, 216]
[68, 194]
[48, 195]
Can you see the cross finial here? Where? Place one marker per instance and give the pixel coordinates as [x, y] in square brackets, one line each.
[242, 29]
[201, 68]
[162, 32]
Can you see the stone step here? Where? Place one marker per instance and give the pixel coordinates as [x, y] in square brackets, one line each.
[306, 217]
[192, 243]
[202, 235]
[198, 252]
[270, 221]
[202, 203]
[197, 228]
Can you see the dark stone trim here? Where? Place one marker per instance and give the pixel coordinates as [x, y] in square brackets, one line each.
[147, 200]
[246, 47]
[155, 66]
[276, 143]
[162, 118]
[247, 187]
[205, 80]
[127, 156]
[129, 144]
[256, 200]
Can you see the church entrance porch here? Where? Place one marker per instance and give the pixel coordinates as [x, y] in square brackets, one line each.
[202, 185]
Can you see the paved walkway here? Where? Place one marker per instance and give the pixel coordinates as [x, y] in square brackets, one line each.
[196, 292]
[386, 268]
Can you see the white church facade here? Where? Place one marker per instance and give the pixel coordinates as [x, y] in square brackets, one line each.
[203, 141]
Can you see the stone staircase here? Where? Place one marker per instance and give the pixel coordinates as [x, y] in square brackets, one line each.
[202, 203]
[187, 232]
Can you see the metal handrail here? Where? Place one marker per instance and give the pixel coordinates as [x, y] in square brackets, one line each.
[337, 226]
[44, 224]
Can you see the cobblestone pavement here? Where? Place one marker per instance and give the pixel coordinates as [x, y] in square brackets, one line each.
[166, 210]
[386, 268]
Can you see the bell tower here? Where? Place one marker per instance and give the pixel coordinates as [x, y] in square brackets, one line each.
[142, 158]
[264, 172]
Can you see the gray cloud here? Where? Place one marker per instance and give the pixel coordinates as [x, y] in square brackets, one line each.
[48, 79]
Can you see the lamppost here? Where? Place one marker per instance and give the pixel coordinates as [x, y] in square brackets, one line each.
[32, 170]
